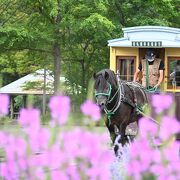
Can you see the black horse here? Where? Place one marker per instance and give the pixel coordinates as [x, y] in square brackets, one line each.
[120, 100]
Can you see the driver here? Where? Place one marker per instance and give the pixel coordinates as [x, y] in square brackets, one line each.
[152, 71]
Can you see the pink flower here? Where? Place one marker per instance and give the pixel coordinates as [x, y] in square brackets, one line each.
[41, 159]
[3, 139]
[30, 118]
[91, 109]
[56, 157]
[56, 174]
[4, 170]
[169, 126]
[171, 153]
[60, 108]
[39, 172]
[142, 151]
[22, 164]
[157, 169]
[157, 156]
[10, 148]
[147, 128]
[39, 139]
[4, 104]
[73, 172]
[98, 172]
[134, 168]
[161, 102]
[20, 147]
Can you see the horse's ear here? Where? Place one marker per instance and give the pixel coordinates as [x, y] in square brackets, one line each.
[106, 75]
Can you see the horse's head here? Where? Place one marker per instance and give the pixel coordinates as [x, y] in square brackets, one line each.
[105, 83]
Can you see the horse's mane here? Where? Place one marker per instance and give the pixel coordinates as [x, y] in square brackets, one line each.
[105, 75]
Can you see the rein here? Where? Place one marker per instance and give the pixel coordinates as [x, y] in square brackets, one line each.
[151, 90]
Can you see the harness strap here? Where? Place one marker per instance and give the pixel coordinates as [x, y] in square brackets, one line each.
[131, 86]
[108, 94]
[109, 115]
[119, 91]
[128, 101]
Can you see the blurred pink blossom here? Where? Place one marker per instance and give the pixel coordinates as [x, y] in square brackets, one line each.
[33, 153]
[89, 108]
[38, 139]
[157, 169]
[4, 171]
[56, 157]
[29, 118]
[147, 128]
[13, 171]
[161, 102]
[134, 169]
[39, 172]
[57, 174]
[4, 104]
[60, 108]
[80, 153]
[73, 173]
[3, 139]
[22, 163]
[20, 147]
[169, 126]
[172, 152]
[140, 150]
[157, 156]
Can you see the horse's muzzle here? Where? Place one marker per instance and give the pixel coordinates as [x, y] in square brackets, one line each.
[101, 101]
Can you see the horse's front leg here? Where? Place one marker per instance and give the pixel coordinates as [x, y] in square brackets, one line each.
[111, 130]
[122, 131]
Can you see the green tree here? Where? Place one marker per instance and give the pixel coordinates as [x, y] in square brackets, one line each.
[86, 41]
[70, 36]
[35, 26]
[139, 12]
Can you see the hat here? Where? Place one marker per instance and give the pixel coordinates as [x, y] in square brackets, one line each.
[150, 56]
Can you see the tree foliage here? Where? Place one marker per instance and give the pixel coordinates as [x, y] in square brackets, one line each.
[70, 36]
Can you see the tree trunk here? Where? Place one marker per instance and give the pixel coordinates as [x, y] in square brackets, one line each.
[57, 66]
[83, 73]
[57, 49]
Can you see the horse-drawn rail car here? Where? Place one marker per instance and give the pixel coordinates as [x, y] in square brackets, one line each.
[127, 52]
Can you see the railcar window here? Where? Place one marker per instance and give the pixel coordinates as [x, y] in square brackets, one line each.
[126, 67]
[174, 72]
